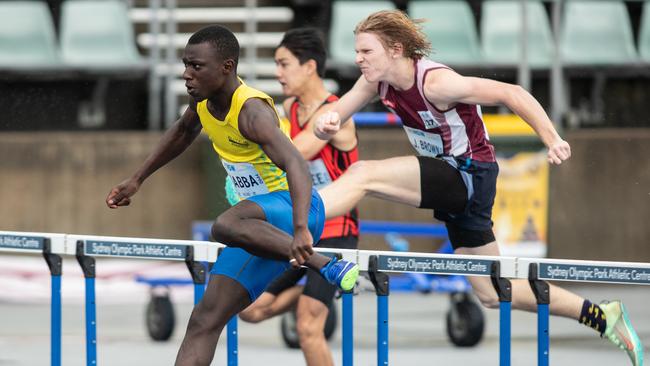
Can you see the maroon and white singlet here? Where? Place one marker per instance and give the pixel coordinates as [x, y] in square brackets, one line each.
[458, 131]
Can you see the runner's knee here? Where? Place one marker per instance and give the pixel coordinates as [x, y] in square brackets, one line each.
[223, 228]
[361, 173]
[308, 329]
[250, 316]
[204, 321]
[359, 170]
[311, 317]
[256, 315]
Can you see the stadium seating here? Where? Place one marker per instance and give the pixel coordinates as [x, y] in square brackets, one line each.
[501, 29]
[27, 36]
[597, 32]
[644, 33]
[451, 29]
[97, 33]
[345, 16]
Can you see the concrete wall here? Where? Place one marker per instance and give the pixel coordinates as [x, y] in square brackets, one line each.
[57, 182]
[600, 199]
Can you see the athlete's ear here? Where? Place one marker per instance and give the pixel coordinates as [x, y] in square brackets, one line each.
[396, 50]
[311, 66]
[229, 66]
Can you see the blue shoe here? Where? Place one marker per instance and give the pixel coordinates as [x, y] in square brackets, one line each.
[341, 273]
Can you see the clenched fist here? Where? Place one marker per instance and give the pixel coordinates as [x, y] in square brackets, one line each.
[327, 125]
[121, 194]
[558, 152]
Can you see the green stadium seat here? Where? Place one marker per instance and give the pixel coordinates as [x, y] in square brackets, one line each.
[501, 26]
[345, 17]
[451, 29]
[644, 33]
[597, 32]
[97, 33]
[27, 35]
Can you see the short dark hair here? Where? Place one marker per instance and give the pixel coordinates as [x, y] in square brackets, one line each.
[221, 38]
[306, 44]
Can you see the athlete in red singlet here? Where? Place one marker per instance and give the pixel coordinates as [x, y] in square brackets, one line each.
[325, 167]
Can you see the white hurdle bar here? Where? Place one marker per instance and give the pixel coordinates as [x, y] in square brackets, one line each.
[376, 263]
[87, 247]
[499, 269]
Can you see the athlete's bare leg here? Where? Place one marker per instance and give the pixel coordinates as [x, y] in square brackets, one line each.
[209, 318]
[395, 179]
[563, 302]
[311, 315]
[398, 180]
[269, 305]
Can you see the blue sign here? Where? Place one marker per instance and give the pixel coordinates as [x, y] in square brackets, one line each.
[393, 263]
[594, 273]
[142, 250]
[22, 242]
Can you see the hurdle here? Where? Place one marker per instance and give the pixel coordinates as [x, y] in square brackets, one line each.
[499, 269]
[201, 231]
[86, 248]
[51, 246]
[376, 263]
[347, 341]
[537, 271]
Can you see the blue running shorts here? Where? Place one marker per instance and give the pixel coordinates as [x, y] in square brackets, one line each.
[255, 273]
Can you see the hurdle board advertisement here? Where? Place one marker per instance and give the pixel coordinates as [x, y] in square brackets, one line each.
[31, 242]
[22, 242]
[140, 250]
[437, 263]
[585, 271]
[395, 263]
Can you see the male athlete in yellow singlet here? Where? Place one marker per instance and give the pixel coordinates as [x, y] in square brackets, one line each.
[281, 215]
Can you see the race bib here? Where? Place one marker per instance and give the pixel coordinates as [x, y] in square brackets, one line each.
[425, 143]
[246, 179]
[319, 174]
[428, 120]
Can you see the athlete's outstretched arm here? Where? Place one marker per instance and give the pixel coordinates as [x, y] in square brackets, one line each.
[444, 88]
[175, 140]
[259, 123]
[328, 124]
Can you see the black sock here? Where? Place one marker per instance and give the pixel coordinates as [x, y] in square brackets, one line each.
[593, 316]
